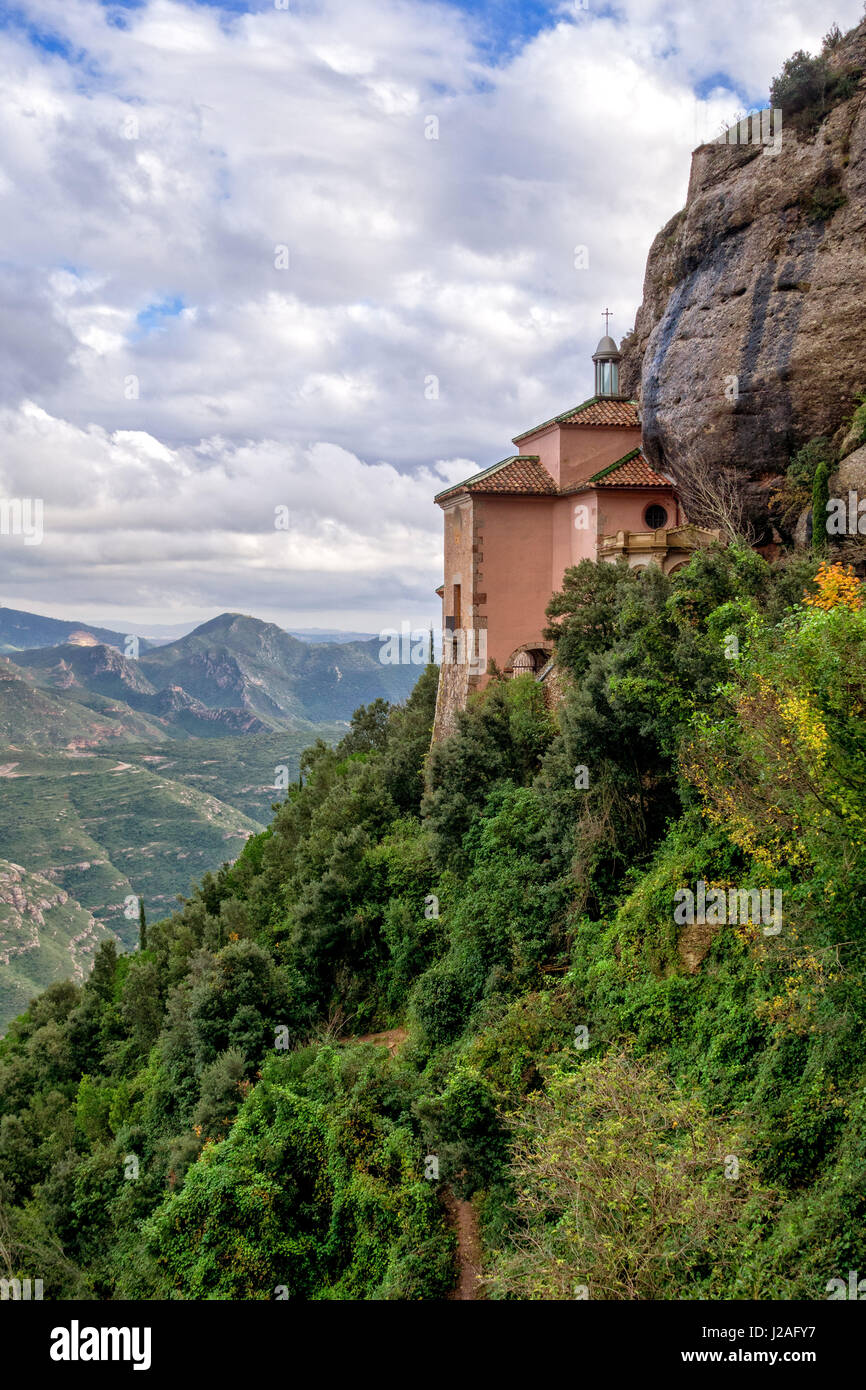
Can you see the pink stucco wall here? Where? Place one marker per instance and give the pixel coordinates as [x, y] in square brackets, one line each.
[587, 451]
[624, 511]
[572, 540]
[514, 571]
[510, 551]
[572, 453]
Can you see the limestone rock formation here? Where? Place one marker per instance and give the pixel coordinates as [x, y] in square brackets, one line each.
[751, 338]
[851, 474]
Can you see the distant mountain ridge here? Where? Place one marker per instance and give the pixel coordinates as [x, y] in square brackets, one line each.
[24, 631]
[329, 634]
[233, 662]
[20, 631]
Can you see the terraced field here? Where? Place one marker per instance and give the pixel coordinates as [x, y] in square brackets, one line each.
[98, 829]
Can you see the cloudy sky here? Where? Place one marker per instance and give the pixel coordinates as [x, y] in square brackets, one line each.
[317, 258]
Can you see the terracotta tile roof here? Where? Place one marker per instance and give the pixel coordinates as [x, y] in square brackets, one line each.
[598, 410]
[521, 473]
[631, 471]
[524, 474]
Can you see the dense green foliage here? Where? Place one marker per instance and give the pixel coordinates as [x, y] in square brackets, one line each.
[637, 1107]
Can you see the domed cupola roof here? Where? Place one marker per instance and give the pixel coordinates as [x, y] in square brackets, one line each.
[606, 348]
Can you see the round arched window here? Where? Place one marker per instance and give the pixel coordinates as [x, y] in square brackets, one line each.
[655, 517]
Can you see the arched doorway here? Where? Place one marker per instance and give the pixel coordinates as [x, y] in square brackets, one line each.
[527, 661]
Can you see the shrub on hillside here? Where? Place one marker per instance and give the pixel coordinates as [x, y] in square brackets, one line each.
[623, 1190]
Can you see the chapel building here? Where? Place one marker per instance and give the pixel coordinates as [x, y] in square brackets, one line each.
[579, 487]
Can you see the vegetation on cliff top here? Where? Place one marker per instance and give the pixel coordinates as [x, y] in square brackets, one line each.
[809, 86]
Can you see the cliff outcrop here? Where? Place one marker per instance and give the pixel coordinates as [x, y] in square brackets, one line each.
[751, 338]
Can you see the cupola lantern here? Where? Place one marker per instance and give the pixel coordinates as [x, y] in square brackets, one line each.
[607, 357]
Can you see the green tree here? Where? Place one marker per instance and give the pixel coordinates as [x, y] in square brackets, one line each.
[222, 1090]
[820, 498]
[801, 83]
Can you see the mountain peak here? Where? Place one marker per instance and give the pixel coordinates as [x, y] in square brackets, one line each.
[225, 622]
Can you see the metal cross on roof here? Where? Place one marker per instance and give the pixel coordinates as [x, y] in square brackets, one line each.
[607, 316]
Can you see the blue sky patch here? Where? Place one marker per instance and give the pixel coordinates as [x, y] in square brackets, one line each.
[714, 80]
[40, 36]
[153, 317]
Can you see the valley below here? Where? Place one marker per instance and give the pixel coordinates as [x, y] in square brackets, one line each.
[120, 784]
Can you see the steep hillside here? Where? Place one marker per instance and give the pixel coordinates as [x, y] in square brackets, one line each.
[749, 340]
[45, 935]
[185, 712]
[186, 781]
[32, 717]
[99, 670]
[641, 1101]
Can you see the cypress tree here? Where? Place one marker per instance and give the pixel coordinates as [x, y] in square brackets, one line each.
[142, 926]
[820, 498]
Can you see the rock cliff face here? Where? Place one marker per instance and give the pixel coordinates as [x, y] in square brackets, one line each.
[751, 338]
